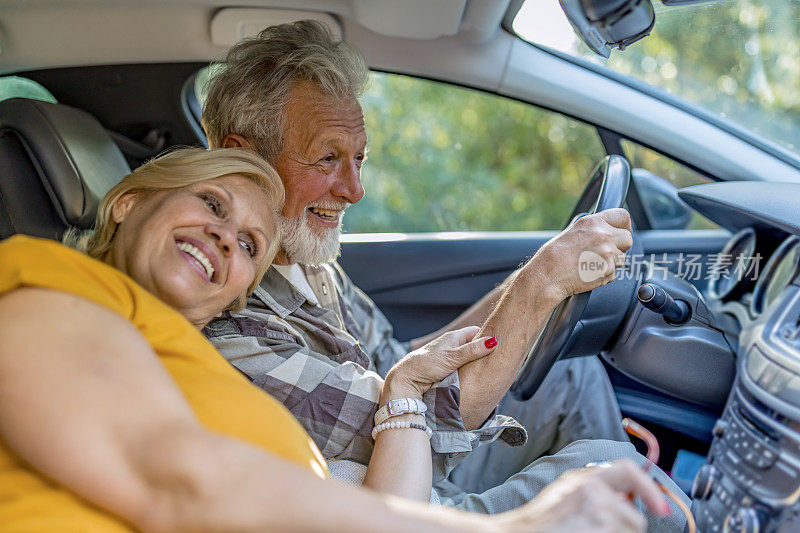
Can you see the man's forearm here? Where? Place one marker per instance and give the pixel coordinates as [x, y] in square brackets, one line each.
[516, 322]
[524, 307]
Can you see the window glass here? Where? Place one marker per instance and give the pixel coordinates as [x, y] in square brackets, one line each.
[738, 59]
[675, 173]
[201, 82]
[18, 87]
[446, 158]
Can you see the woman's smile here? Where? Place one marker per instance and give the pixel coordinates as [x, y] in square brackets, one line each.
[199, 257]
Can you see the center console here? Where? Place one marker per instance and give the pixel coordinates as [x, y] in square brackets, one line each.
[751, 479]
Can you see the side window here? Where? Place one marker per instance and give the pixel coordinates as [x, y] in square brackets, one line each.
[670, 170]
[446, 158]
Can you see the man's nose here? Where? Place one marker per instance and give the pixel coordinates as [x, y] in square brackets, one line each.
[348, 183]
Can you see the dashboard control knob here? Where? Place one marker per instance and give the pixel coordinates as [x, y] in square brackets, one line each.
[701, 488]
[742, 520]
[719, 428]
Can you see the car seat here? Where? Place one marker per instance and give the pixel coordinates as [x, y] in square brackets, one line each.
[56, 164]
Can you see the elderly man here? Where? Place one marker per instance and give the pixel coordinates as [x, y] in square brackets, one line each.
[311, 339]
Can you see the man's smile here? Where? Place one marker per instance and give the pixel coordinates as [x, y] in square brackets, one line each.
[329, 215]
[326, 214]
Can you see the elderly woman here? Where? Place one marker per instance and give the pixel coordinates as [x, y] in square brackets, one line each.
[116, 413]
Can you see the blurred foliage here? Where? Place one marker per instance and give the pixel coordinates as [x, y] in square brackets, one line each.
[675, 173]
[446, 158]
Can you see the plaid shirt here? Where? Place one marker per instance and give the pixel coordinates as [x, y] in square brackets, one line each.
[325, 362]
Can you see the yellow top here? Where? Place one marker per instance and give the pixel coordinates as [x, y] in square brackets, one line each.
[223, 399]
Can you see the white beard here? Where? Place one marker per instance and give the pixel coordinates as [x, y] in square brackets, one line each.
[304, 245]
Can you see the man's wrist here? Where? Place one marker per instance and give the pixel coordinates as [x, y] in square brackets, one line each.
[535, 276]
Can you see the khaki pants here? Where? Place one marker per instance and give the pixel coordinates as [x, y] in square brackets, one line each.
[573, 419]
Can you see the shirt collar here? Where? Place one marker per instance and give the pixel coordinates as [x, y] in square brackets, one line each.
[278, 293]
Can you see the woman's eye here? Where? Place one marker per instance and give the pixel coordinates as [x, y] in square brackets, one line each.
[328, 158]
[249, 248]
[212, 203]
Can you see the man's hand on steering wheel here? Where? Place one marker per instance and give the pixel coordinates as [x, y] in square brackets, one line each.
[579, 259]
[585, 255]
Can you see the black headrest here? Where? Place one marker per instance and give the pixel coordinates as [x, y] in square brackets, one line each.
[56, 164]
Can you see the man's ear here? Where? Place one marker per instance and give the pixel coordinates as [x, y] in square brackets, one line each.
[233, 140]
[123, 206]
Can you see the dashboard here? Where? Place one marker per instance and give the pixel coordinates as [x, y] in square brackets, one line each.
[751, 479]
[753, 271]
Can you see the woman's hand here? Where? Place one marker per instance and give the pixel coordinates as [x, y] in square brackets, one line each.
[401, 461]
[419, 370]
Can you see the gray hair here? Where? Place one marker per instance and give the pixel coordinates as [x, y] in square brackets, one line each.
[247, 92]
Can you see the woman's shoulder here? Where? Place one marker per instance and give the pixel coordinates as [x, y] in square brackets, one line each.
[21, 242]
[43, 263]
[18, 248]
[34, 254]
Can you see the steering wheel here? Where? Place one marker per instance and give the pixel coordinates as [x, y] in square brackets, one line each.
[606, 189]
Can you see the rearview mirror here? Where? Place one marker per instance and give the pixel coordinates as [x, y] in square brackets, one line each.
[607, 24]
[660, 201]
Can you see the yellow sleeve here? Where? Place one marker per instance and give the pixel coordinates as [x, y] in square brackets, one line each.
[32, 262]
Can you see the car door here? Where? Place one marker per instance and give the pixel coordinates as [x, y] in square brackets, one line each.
[463, 186]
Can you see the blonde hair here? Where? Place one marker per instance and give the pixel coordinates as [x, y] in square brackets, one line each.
[247, 92]
[174, 170]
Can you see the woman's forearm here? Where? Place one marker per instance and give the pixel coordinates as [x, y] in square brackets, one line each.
[401, 460]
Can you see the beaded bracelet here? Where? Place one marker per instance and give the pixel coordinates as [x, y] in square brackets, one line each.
[401, 425]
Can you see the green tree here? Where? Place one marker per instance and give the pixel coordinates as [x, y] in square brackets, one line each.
[445, 158]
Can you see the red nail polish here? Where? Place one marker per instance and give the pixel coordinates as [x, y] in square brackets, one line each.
[666, 510]
[491, 342]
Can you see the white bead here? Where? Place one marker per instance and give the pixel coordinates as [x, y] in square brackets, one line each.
[401, 425]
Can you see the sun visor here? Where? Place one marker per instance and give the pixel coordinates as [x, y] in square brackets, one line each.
[231, 25]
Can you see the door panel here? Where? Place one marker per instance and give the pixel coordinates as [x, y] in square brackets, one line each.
[422, 282]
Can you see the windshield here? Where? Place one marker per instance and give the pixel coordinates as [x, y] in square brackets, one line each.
[738, 59]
